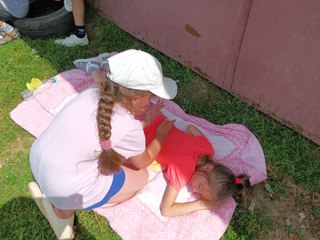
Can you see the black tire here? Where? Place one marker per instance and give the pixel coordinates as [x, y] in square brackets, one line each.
[33, 1]
[56, 23]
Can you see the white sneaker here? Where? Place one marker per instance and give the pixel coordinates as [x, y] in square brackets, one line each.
[72, 41]
[103, 59]
[88, 65]
[63, 228]
[96, 63]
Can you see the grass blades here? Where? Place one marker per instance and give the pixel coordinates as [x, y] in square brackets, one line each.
[293, 161]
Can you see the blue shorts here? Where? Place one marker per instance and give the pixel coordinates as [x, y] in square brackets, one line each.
[117, 183]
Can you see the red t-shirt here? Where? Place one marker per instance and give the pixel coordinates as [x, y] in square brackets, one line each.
[179, 153]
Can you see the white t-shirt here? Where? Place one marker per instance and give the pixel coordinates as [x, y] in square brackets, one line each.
[63, 158]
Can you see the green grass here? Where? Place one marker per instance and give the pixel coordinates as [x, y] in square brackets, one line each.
[292, 159]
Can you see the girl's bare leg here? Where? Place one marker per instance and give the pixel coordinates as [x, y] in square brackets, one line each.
[61, 221]
[78, 12]
[135, 181]
[63, 213]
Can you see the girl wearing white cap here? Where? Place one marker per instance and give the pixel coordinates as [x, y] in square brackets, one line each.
[96, 131]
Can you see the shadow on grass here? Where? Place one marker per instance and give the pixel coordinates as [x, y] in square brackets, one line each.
[21, 219]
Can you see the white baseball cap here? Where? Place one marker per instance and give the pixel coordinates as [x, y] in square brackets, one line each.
[136, 69]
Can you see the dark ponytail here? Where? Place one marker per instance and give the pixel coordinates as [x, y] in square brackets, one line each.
[241, 189]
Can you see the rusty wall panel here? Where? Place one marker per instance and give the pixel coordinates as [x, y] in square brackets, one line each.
[203, 35]
[279, 64]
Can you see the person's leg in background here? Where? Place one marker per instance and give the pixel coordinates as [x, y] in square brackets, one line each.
[79, 36]
[7, 32]
[78, 17]
[5, 27]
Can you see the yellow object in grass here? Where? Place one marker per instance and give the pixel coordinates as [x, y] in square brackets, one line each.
[34, 84]
[154, 166]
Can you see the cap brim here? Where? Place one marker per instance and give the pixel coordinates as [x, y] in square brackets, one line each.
[168, 90]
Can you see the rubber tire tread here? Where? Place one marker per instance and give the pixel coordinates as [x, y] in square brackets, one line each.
[56, 23]
[33, 1]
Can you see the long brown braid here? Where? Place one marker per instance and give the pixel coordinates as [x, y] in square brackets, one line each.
[222, 181]
[111, 93]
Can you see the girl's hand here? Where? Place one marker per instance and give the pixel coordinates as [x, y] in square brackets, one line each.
[146, 158]
[163, 129]
[152, 113]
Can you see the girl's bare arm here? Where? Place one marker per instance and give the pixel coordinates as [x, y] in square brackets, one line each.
[170, 208]
[146, 158]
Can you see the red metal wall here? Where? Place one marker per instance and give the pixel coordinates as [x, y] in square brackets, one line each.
[265, 52]
[279, 64]
[198, 34]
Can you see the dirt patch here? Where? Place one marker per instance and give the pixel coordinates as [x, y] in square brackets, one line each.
[294, 215]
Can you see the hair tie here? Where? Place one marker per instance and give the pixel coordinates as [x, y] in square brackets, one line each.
[238, 180]
[105, 144]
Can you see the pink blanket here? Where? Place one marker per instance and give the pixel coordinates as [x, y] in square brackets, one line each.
[139, 217]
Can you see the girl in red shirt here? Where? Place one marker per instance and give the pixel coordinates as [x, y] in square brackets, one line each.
[186, 158]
